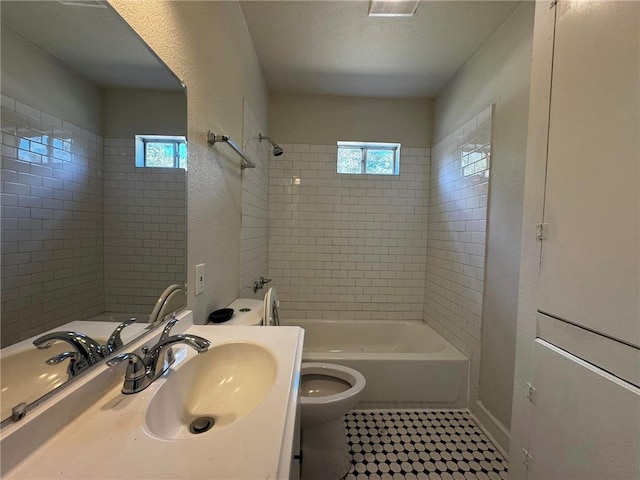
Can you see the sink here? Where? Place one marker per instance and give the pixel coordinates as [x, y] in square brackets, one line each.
[25, 377]
[248, 382]
[211, 390]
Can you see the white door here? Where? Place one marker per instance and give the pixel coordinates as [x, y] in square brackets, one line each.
[590, 271]
[586, 422]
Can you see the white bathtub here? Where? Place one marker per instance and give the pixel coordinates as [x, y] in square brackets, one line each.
[407, 364]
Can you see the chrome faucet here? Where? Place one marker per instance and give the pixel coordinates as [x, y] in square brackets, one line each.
[141, 372]
[259, 284]
[86, 351]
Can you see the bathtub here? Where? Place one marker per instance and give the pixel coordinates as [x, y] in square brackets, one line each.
[406, 363]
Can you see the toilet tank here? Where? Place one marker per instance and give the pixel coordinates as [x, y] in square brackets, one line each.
[246, 311]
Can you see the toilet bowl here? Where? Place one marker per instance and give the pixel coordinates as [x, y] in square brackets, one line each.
[327, 393]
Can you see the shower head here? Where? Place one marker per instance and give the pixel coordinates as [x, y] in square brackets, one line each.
[277, 151]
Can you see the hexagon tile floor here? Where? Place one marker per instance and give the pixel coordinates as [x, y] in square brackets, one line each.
[421, 445]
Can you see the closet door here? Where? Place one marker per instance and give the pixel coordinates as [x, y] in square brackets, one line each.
[585, 421]
[591, 254]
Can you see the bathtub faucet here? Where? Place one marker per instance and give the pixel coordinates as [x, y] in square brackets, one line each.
[260, 283]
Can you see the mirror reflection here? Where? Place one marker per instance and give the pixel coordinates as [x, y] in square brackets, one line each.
[93, 192]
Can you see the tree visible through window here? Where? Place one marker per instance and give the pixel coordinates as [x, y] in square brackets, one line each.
[358, 158]
[161, 151]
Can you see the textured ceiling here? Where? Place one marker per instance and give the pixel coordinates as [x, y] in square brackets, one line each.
[333, 47]
[95, 42]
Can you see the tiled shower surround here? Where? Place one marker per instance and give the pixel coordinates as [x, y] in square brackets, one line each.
[56, 208]
[347, 246]
[457, 237]
[52, 215]
[255, 202]
[145, 229]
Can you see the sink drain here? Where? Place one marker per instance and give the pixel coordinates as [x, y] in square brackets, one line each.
[201, 424]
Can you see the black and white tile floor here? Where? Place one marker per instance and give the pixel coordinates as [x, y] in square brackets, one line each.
[428, 445]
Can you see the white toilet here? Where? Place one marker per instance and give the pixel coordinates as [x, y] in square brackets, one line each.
[327, 393]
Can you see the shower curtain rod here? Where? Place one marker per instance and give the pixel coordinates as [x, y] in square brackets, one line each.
[212, 138]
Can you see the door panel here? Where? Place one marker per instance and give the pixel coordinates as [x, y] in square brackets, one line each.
[590, 271]
[586, 422]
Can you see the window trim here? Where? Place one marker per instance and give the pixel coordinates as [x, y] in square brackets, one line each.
[141, 148]
[366, 147]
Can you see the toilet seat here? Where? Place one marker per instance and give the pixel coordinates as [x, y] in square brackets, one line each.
[271, 306]
[349, 375]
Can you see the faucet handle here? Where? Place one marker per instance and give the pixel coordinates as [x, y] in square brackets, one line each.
[61, 357]
[136, 368]
[77, 363]
[167, 329]
[115, 340]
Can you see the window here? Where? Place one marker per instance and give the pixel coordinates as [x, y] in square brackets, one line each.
[369, 158]
[161, 151]
[475, 159]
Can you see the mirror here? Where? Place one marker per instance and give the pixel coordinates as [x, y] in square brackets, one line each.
[93, 184]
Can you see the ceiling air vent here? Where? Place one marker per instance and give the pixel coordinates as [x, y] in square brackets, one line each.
[392, 8]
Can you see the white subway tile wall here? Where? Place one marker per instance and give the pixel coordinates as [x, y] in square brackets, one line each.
[255, 203]
[83, 230]
[457, 237]
[347, 246]
[145, 229]
[52, 222]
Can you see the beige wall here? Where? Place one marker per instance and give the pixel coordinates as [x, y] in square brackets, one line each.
[36, 78]
[127, 112]
[323, 120]
[498, 73]
[208, 46]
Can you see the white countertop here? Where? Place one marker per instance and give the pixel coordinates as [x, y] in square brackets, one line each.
[110, 439]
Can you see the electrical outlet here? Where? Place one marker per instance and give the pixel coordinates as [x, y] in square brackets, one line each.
[200, 279]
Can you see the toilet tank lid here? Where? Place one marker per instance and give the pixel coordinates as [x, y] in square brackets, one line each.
[252, 316]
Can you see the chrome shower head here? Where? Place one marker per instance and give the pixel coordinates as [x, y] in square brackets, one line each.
[277, 150]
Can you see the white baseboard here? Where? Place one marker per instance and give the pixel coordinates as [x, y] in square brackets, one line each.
[492, 427]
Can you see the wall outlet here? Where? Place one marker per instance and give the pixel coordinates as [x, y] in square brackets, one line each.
[200, 279]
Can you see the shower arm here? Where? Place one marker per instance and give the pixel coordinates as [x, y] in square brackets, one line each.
[268, 139]
[212, 138]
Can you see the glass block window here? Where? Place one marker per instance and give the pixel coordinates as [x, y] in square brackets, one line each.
[161, 151]
[367, 158]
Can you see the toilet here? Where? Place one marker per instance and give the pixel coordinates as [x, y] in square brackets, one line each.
[327, 393]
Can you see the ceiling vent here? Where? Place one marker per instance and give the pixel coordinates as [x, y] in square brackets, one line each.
[393, 8]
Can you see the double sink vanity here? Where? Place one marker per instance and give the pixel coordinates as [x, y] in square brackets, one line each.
[227, 412]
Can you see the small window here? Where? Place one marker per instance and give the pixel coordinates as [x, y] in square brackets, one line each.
[161, 151]
[475, 159]
[360, 158]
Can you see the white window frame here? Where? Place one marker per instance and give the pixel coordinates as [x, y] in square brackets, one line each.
[141, 148]
[366, 147]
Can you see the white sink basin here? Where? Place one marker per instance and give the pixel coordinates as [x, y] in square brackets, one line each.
[223, 384]
[25, 377]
